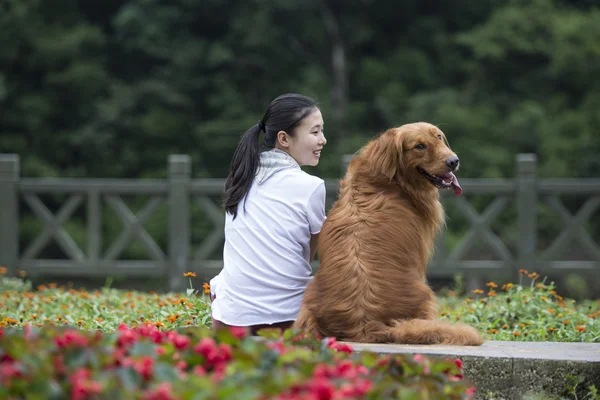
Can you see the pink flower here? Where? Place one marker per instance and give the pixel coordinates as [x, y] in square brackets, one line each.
[127, 337]
[239, 331]
[9, 370]
[145, 367]
[278, 347]
[332, 343]
[71, 338]
[180, 341]
[162, 391]
[205, 346]
[321, 389]
[82, 387]
[471, 391]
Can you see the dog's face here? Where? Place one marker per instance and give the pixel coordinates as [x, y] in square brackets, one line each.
[417, 153]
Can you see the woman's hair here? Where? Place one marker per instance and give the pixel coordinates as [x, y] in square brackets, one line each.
[284, 113]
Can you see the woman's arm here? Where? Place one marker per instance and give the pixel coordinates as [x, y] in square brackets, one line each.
[313, 246]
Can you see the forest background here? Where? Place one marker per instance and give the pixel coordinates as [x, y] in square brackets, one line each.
[112, 88]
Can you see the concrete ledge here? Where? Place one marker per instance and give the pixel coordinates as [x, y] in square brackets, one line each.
[514, 370]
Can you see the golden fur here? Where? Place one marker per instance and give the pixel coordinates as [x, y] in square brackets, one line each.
[375, 245]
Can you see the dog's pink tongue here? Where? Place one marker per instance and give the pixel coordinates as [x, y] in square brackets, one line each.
[455, 185]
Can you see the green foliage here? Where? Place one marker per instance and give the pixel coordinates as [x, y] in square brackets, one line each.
[111, 91]
[531, 310]
[147, 363]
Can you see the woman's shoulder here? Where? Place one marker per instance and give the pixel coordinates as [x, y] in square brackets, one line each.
[303, 177]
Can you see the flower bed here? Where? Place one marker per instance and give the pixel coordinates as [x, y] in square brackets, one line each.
[531, 310]
[150, 363]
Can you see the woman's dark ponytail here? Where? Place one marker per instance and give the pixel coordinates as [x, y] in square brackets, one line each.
[244, 164]
[284, 113]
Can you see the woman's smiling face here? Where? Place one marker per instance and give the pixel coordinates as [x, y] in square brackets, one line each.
[308, 140]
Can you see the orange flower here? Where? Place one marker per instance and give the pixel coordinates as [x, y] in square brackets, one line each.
[580, 328]
[544, 298]
[492, 293]
[3, 270]
[534, 275]
[550, 330]
[504, 326]
[551, 311]
[189, 274]
[516, 334]
[173, 318]
[206, 287]
[491, 284]
[22, 273]
[507, 286]
[566, 322]
[523, 271]
[492, 331]
[540, 286]
[477, 291]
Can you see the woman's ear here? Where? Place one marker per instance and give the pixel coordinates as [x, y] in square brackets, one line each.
[384, 153]
[282, 139]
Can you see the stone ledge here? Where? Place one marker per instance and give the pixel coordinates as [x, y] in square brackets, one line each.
[512, 370]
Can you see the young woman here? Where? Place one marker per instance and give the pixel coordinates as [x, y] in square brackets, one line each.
[274, 212]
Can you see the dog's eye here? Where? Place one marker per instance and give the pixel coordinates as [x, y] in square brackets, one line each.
[440, 137]
[420, 146]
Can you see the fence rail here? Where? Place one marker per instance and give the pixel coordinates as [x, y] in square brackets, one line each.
[524, 195]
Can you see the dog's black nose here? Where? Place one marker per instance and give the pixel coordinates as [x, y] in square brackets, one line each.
[452, 162]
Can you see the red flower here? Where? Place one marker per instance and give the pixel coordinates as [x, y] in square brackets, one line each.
[82, 387]
[71, 339]
[145, 367]
[332, 343]
[239, 331]
[179, 341]
[127, 337]
[205, 346]
[163, 391]
[321, 389]
[470, 391]
[277, 346]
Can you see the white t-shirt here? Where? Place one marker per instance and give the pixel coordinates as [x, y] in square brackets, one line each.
[266, 256]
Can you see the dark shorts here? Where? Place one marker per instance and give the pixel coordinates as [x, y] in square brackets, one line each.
[253, 328]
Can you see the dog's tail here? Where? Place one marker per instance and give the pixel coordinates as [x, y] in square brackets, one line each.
[425, 331]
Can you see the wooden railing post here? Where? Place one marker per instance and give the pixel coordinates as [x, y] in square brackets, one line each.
[180, 168]
[9, 212]
[526, 212]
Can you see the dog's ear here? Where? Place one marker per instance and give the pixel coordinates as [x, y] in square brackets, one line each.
[384, 153]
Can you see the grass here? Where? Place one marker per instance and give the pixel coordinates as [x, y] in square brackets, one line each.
[530, 310]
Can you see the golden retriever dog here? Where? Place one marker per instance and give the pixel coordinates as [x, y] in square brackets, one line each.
[376, 241]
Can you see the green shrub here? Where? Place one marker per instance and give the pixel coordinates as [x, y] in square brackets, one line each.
[196, 363]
